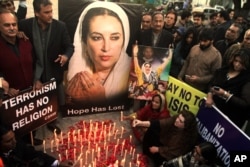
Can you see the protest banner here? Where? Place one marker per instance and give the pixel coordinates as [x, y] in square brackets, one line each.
[149, 72]
[216, 128]
[182, 96]
[30, 109]
[107, 88]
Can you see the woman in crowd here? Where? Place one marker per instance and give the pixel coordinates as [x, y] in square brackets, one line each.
[155, 110]
[229, 89]
[169, 138]
[181, 51]
[98, 70]
[203, 155]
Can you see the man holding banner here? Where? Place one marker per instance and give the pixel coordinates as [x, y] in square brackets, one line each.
[16, 62]
[53, 48]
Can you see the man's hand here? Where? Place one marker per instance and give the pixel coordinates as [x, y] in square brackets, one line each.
[13, 92]
[62, 59]
[21, 34]
[154, 149]
[37, 85]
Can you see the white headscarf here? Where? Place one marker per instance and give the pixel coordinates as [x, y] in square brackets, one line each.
[118, 77]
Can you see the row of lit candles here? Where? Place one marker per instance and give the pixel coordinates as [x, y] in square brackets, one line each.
[92, 138]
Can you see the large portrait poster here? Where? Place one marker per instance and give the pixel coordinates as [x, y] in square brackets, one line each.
[98, 71]
[149, 72]
[30, 109]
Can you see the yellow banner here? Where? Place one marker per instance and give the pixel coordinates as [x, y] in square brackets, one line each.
[181, 96]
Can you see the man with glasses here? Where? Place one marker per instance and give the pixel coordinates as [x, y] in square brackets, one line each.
[231, 37]
[9, 5]
[235, 47]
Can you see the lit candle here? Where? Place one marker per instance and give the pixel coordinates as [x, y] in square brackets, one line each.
[94, 136]
[86, 157]
[122, 132]
[110, 128]
[130, 164]
[51, 145]
[88, 145]
[83, 125]
[131, 149]
[109, 134]
[137, 158]
[104, 144]
[123, 162]
[102, 125]
[44, 148]
[60, 157]
[92, 155]
[100, 137]
[74, 152]
[122, 148]
[75, 141]
[117, 141]
[81, 162]
[68, 140]
[98, 152]
[81, 139]
[133, 154]
[57, 144]
[116, 163]
[130, 138]
[81, 149]
[121, 116]
[104, 135]
[78, 134]
[61, 136]
[115, 149]
[115, 134]
[84, 134]
[125, 154]
[55, 135]
[114, 128]
[67, 154]
[107, 153]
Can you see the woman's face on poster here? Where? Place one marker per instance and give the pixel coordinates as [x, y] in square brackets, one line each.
[147, 68]
[104, 41]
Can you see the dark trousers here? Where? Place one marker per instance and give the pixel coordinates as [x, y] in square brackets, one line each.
[152, 138]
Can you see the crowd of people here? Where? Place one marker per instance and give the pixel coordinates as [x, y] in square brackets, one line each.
[213, 58]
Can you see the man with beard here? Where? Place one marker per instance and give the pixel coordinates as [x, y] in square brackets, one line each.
[201, 63]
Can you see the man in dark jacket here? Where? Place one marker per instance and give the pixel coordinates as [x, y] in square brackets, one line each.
[156, 36]
[53, 48]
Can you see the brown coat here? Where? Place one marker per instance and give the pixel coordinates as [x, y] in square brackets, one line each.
[175, 141]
